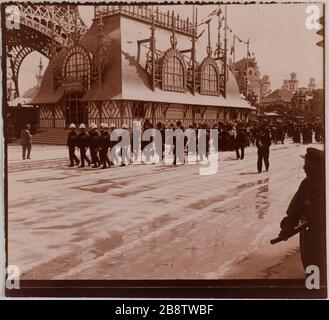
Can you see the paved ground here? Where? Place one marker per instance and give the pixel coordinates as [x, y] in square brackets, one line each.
[152, 222]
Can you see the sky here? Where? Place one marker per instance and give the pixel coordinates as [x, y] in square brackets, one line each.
[278, 37]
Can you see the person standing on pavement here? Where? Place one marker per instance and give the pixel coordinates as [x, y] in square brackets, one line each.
[71, 143]
[280, 134]
[104, 144]
[26, 142]
[93, 145]
[263, 142]
[308, 206]
[82, 143]
[240, 142]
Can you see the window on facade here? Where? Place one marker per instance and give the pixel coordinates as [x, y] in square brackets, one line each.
[209, 80]
[173, 74]
[76, 67]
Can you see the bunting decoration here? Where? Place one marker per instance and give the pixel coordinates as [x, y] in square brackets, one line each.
[245, 42]
[216, 12]
[207, 19]
[202, 32]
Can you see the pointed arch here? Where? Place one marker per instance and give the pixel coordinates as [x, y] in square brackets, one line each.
[173, 71]
[209, 76]
[77, 65]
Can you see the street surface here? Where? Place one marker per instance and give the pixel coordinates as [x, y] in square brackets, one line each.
[152, 221]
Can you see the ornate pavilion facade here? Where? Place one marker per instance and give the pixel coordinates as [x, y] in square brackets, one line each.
[135, 63]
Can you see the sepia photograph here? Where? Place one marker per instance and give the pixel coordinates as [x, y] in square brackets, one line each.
[176, 147]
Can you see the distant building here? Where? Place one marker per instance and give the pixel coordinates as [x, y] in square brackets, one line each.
[265, 86]
[317, 103]
[309, 103]
[248, 77]
[291, 84]
[280, 99]
[312, 85]
[31, 93]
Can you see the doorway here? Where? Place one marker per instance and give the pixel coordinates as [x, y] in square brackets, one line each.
[76, 111]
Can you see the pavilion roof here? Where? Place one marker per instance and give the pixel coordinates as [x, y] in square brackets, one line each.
[125, 79]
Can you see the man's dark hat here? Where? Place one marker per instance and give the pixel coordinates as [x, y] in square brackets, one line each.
[314, 155]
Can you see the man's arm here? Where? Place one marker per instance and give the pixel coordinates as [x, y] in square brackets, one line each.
[295, 209]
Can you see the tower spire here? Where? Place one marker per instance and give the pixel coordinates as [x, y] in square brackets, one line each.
[39, 74]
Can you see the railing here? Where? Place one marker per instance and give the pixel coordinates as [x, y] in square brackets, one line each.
[146, 13]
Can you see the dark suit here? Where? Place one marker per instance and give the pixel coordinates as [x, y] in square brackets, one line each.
[308, 204]
[104, 144]
[71, 142]
[82, 143]
[240, 142]
[93, 147]
[263, 142]
[26, 142]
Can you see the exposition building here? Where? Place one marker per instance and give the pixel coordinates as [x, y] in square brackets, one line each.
[135, 63]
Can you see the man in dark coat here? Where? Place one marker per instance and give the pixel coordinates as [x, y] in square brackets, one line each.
[280, 134]
[71, 143]
[178, 139]
[263, 142]
[240, 142]
[296, 134]
[308, 205]
[104, 144]
[26, 142]
[93, 145]
[82, 143]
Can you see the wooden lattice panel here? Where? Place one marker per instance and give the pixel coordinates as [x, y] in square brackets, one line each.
[59, 113]
[107, 110]
[93, 111]
[45, 112]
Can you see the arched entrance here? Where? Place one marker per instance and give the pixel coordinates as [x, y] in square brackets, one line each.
[30, 73]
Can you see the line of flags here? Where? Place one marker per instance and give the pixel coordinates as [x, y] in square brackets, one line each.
[245, 42]
[206, 20]
[249, 54]
[217, 13]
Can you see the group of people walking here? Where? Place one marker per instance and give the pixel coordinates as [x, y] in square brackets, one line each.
[232, 136]
[98, 142]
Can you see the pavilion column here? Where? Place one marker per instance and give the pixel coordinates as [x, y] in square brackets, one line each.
[153, 108]
[53, 115]
[122, 111]
[218, 111]
[99, 105]
[226, 113]
[193, 114]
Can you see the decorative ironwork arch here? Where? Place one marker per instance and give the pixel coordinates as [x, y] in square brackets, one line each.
[209, 77]
[77, 66]
[36, 32]
[174, 72]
